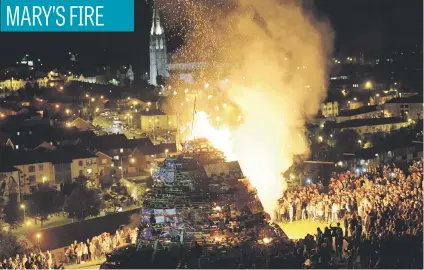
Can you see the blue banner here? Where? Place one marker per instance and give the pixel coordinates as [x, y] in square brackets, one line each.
[67, 15]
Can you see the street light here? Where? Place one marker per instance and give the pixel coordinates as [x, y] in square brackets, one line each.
[166, 152]
[23, 207]
[38, 238]
[27, 225]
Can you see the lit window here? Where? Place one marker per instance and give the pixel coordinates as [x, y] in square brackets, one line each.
[89, 171]
[89, 162]
[116, 157]
[104, 161]
[121, 150]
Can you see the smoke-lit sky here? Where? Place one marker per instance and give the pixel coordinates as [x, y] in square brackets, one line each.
[360, 25]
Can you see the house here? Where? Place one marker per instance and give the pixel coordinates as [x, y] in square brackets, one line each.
[104, 163]
[157, 120]
[35, 168]
[53, 167]
[359, 113]
[330, 108]
[84, 163]
[406, 107]
[12, 84]
[373, 125]
[144, 156]
[80, 124]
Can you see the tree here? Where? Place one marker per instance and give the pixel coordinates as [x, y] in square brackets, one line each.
[12, 213]
[9, 245]
[347, 141]
[83, 202]
[45, 201]
[29, 92]
[160, 80]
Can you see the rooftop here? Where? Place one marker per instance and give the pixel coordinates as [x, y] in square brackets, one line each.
[370, 122]
[61, 155]
[411, 99]
[361, 110]
[115, 141]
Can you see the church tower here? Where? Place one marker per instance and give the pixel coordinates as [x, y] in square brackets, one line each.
[158, 54]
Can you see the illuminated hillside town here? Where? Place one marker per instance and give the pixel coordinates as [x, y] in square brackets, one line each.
[220, 134]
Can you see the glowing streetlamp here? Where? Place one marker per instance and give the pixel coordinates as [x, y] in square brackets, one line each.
[368, 85]
[38, 238]
[132, 160]
[93, 99]
[24, 209]
[27, 225]
[166, 152]
[206, 85]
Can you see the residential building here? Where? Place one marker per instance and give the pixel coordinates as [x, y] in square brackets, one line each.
[104, 164]
[85, 164]
[12, 84]
[373, 125]
[405, 107]
[157, 122]
[35, 168]
[80, 124]
[359, 113]
[330, 109]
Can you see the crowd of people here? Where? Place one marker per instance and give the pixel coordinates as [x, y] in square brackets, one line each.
[99, 246]
[378, 218]
[76, 253]
[33, 260]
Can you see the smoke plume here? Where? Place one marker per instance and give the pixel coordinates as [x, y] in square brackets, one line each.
[274, 56]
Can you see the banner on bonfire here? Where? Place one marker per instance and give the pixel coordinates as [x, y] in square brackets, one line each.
[161, 215]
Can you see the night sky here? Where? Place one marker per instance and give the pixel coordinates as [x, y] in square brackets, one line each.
[369, 26]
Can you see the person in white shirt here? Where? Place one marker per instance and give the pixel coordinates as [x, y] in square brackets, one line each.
[49, 260]
[334, 212]
[291, 212]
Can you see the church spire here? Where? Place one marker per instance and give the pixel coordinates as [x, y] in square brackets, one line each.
[158, 52]
[157, 28]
